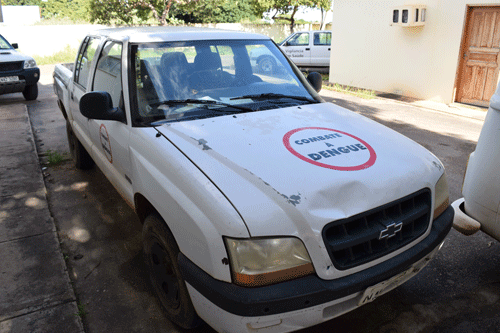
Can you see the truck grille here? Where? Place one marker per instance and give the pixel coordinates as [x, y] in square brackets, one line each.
[11, 66]
[378, 232]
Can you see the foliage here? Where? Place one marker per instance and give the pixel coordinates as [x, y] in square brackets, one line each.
[73, 9]
[124, 11]
[21, 2]
[358, 92]
[220, 11]
[54, 157]
[81, 310]
[286, 9]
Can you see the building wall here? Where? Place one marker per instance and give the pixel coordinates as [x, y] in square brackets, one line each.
[39, 40]
[422, 62]
[20, 14]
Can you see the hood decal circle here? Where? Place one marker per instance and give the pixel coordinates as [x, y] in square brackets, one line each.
[330, 148]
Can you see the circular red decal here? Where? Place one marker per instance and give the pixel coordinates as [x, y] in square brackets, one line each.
[329, 148]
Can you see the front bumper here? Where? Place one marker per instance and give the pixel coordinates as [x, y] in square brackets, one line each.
[27, 77]
[463, 222]
[308, 291]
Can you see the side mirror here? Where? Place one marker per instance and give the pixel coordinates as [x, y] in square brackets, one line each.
[14, 45]
[99, 105]
[315, 80]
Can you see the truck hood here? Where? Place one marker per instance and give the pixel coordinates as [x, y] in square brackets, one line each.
[12, 55]
[290, 171]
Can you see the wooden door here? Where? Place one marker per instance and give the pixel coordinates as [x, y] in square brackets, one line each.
[478, 72]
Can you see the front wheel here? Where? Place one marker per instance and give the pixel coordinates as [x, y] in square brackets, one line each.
[267, 65]
[79, 155]
[161, 251]
[30, 93]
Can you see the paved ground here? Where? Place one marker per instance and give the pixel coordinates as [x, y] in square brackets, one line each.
[100, 242]
[35, 290]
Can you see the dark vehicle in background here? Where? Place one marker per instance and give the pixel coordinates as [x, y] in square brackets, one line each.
[18, 72]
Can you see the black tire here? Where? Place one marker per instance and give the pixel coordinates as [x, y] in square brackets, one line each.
[267, 65]
[161, 251]
[80, 156]
[30, 93]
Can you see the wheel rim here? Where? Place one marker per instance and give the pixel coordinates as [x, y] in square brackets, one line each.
[164, 277]
[266, 66]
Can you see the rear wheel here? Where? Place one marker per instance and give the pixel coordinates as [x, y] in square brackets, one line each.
[161, 251]
[30, 93]
[80, 156]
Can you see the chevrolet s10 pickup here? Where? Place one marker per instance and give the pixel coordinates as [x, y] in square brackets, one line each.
[264, 208]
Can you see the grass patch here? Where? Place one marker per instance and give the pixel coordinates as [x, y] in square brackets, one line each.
[81, 310]
[60, 21]
[54, 157]
[363, 93]
[68, 54]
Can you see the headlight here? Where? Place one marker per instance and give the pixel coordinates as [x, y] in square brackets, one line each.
[29, 63]
[263, 261]
[442, 200]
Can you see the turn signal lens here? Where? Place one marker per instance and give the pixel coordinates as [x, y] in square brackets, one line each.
[442, 196]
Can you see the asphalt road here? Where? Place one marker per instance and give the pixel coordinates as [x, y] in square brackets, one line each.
[101, 237]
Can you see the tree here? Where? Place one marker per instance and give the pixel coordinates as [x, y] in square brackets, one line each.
[73, 9]
[123, 11]
[286, 9]
[219, 11]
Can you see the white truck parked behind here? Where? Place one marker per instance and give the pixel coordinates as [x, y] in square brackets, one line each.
[479, 209]
[264, 208]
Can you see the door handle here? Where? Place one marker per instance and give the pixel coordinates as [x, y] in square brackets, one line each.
[71, 95]
[307, 48]
[465, 55]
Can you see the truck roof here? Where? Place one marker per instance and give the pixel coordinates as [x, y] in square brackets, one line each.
[170, 34]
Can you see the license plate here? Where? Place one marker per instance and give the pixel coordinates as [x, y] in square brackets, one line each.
[9, 78]
[381, 288]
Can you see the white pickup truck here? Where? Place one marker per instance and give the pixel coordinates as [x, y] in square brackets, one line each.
[479, 209]
[307, 49]
[264, 208]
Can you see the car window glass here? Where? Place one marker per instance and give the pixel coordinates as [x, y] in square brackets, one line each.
[322, 38]
[84, 61]
[3, 43]
[108, 71]
[299, 39]
[214, 70]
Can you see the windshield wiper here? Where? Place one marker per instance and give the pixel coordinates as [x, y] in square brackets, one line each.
[273, 95]
[201, 101]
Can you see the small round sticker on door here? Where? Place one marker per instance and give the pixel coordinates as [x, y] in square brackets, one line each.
[105, 144]
[330, 148]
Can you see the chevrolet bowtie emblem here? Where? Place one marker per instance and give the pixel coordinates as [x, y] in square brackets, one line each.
[391, 230]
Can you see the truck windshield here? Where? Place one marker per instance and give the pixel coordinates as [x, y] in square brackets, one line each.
[180, 81]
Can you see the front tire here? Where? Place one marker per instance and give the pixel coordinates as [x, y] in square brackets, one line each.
[267, 65]
[30, 93]
[161, 251]
[80, 156]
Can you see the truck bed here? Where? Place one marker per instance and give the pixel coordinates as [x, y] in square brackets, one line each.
[62, 76]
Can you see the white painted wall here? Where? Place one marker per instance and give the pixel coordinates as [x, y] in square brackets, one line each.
[43, 40]
[368, 52]
[46, 40]
[20, 15]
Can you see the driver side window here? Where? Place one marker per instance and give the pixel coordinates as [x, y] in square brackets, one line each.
[108, 71]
